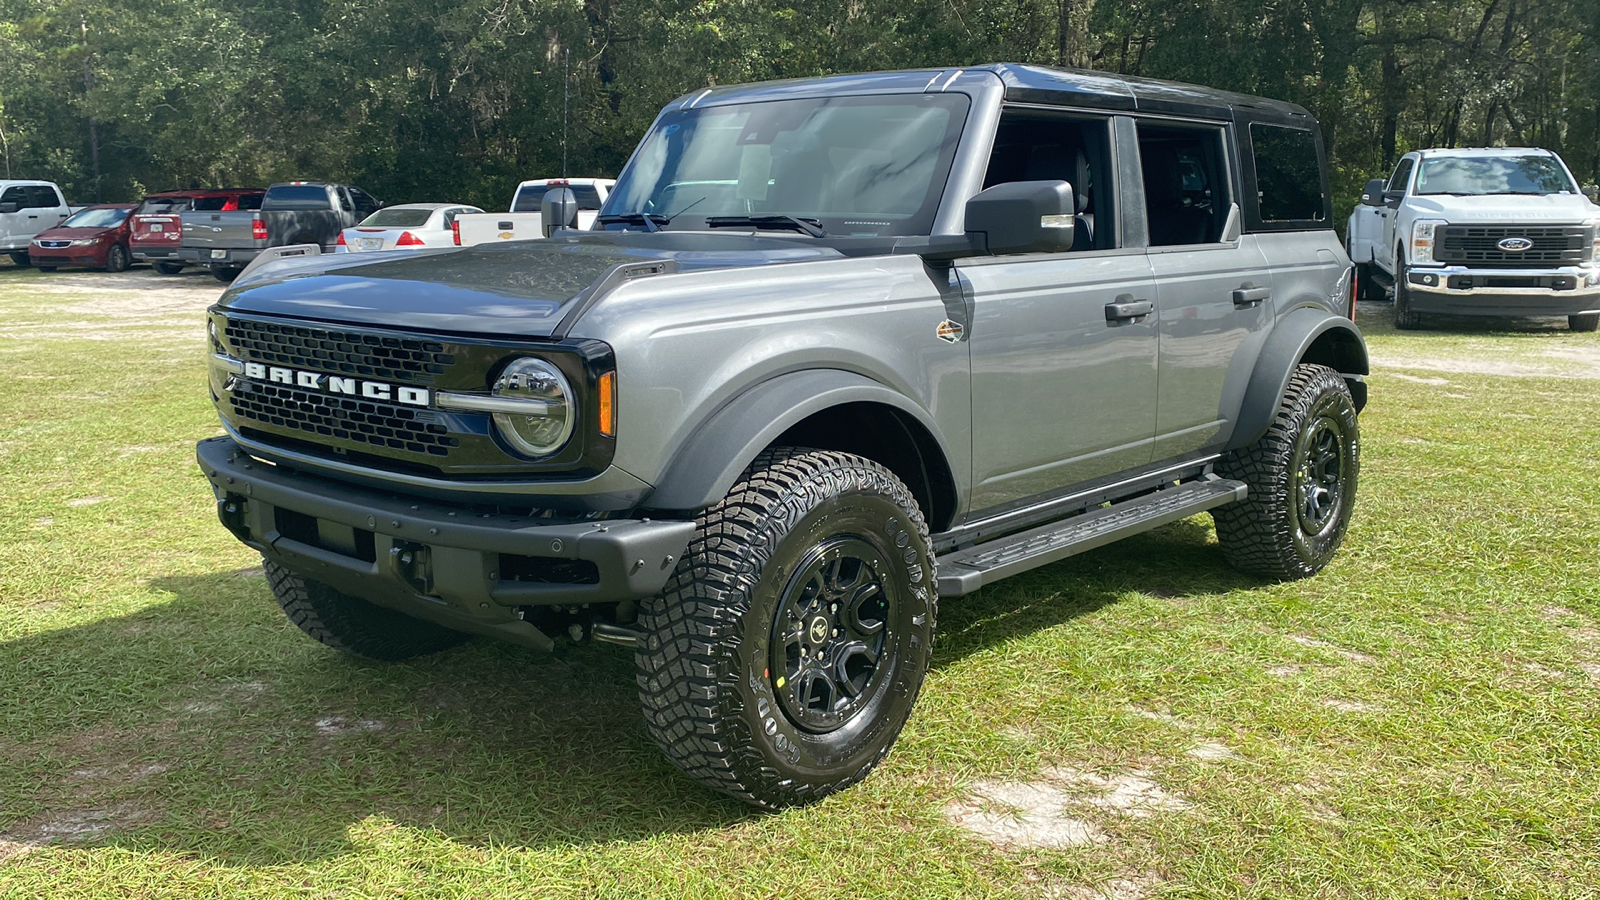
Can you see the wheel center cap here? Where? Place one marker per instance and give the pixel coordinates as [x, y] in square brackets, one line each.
[818, 631]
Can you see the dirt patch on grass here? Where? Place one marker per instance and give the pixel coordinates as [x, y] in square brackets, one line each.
[1132, 887]
[1351, 655]
[1560, 362]
[1054, 810]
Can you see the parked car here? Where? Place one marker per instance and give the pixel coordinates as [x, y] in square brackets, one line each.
[525, 221]
[413, 225]
[96, 237]
[157, 232]
[1501, 231]
[27, 208]
[295, 212]
[843, 347]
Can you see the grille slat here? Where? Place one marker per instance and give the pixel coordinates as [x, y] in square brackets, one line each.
[399, 360]
[1552, 244]
[359, 421]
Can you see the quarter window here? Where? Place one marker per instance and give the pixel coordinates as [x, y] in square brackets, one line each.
[1288, 176]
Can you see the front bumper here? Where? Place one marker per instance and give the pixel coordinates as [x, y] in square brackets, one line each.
[455, 565]
[231, 258]
[1472, 291]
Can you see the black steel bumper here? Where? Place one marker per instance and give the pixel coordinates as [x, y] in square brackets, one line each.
[465, 569]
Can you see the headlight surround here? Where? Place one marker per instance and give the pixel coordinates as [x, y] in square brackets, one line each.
[1594, 243]
[545, 422]
[1422, 240]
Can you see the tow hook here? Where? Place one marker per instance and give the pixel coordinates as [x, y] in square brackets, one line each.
[412, 563]
[231, 510]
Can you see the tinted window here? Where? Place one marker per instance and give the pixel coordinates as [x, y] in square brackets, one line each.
[1402, 175]
[96, 218]
[44, 197]
[1288, 178]
[155, 205]
[17, 195]
[1493, 175]
[297, 196]
[1031, 146]
[1186, 193]
[398, 218]
[530, 199]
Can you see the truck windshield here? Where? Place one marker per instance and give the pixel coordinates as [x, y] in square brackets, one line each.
[297, 196]
[860, 166]
[97, 218]
[1493, 175]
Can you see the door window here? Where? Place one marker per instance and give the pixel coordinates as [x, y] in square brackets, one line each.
[1402, 175]
[1040, 146]
[1186, 193]
[44, 197]
[17, 195]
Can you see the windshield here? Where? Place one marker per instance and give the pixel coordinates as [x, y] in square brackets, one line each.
[861, 166]
[97, 218]
[1493, 175]
[397, 218]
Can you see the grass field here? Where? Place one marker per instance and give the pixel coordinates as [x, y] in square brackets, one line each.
[1421, 720]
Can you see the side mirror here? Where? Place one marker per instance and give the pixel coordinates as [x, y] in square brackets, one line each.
[558, 211]
[1016, 217]
[1372, 194]
[9, 207]
[1392, 199]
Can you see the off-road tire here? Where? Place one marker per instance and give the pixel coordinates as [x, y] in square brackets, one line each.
[713, 640]
[166, 268]
[1405, 318]
[1270, 533]
[20, 259]
[353, 625]
[1584, 322]
[117, 258]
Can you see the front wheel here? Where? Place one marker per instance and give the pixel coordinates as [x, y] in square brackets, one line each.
[20, 258]
[166, 268]
[1584, 322]
[1302, 478]
[117, 258]
[352, 625]
[1405, 318]
[787, 651]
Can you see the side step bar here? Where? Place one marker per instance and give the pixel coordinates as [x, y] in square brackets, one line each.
[965, 571]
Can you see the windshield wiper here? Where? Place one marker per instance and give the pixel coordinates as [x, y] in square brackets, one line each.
[652, 222]
[801, 224]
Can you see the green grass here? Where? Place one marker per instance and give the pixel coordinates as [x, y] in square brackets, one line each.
[164, 732]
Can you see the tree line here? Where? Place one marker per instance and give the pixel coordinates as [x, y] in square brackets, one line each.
[460, 99]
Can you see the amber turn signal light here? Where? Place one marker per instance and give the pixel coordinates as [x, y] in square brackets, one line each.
[608, 404]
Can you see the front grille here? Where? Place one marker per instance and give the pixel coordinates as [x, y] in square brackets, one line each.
[1552, 245]
[381, 357]
[55, 245]
[344, 418]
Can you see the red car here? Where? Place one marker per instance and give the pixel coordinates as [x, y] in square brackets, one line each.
[157, 233]
[96, 236]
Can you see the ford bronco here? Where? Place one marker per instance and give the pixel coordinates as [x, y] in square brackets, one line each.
[834, 350]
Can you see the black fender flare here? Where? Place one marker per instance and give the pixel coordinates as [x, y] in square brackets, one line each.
[1310, 330]
[705, 466]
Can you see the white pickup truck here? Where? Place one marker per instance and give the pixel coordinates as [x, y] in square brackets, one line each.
[1498, 231]
[27, 208]
[525, 221]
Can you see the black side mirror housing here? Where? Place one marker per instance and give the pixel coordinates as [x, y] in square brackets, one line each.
[9, 207]
[1372, 194]
[1016, 217]
[558, 211]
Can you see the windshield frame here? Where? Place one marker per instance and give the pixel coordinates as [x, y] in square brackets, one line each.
[949, 147]
[1556, 165]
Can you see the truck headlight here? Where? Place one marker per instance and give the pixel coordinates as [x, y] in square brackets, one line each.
[539, 418]
[1422, 240]
[1594, 243]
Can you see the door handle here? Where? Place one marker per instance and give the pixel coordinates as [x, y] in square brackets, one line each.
[1250, 296]
[1125, 308]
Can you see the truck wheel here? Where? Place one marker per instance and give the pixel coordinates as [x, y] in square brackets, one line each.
[788, 648]
[1367, 288]
[20, 258]
[47, 268]
[167, 268]
[352, 625]
[1585, 322]
[225, 275]
[1405, 318]
[117, 258]
[1302, 475]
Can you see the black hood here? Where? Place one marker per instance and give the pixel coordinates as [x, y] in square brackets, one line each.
[516, 289]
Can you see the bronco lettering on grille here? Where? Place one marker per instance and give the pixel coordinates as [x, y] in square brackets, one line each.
[334, 384]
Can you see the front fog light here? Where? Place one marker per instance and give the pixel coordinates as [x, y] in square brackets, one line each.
[544, 420]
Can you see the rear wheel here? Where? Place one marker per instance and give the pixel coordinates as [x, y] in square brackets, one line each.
[225, 275]
[1367, 288]
[1585, 322]
[20, 258]
[1405, 318]
[167, 268]
[353, 625]
[785, 654]
[1302, 475]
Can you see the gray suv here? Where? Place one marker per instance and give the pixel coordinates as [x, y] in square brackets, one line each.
[836, 349]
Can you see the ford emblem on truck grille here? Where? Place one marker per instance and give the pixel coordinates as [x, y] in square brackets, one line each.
[1515, 244]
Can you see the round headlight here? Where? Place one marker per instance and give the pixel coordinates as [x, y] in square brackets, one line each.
[546, 424]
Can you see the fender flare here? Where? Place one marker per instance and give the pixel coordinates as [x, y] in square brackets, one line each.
[705, 466]
[1292, 338]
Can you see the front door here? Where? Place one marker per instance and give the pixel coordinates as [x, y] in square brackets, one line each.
[12, 234]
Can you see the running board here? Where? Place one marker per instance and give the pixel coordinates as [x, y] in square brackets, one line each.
[965, 571]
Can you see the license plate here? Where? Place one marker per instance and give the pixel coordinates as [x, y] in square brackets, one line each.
[219, 254]
[156, 229]
[370, 243]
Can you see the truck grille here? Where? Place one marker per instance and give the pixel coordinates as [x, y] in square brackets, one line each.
[380, 357]
[1479, 244]
[346, 419]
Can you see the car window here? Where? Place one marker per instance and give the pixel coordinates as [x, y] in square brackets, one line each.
[16, 194]
[1473, 175]
[297, 196]
[250, 201]
[531, 198]
[96, 218]
[158, 205]
[44, 197]
[397, 218]
[1288, 174]
[1036, 146]
[1401, 176]
[1186, 191]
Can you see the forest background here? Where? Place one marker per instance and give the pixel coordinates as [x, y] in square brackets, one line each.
[458, 100]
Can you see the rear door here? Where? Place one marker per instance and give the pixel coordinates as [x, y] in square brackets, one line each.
[1063, 382]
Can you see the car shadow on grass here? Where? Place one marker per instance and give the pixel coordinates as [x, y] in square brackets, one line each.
[208, 726]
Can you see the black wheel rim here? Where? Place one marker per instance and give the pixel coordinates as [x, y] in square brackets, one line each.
[831, 634]
[1321, 476]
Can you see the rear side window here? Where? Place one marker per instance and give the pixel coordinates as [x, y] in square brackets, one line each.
[1288, 177]
[44, 197]
[1185, 183]
[530, 199]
